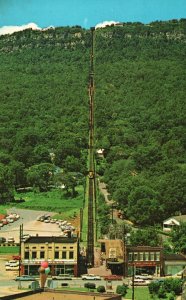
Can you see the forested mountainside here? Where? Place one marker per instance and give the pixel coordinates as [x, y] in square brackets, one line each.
[139, 111]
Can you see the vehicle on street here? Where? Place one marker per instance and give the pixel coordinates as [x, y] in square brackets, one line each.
[10, 240]
[2, 240]
[16, 257]
[25, 278]
[113, 277]
[139, 282]
[12, 263]
[11, 268]
[62, 277]
[90, 277]
[144, 276]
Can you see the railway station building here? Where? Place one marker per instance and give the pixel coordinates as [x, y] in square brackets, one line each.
[113, 252]
[61, 253]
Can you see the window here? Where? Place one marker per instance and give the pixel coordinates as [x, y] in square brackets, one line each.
[146, 256]
[34, 254]
[42, 254]
[71, 247]
[157, 256]
[33, 247]
[64, 247]
[141, 256]
[135, 256]
[42, 247]
[130, 256]
[71, 254]
[56, 254]
[49, 247]
[152, 256]
[26, 255]
[56, 247]
[64, 254]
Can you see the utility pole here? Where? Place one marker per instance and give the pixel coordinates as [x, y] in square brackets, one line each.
[20, 239]
[132, 275]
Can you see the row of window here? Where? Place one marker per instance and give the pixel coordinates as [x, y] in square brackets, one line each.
[49, 248]
[144, 256]
[42, 254]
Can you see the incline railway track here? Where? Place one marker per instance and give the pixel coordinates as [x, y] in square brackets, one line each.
[91, 171]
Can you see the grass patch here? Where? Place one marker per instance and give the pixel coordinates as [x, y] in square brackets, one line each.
[55, 200]
[9, 250]
[140, 293]
[3, 209]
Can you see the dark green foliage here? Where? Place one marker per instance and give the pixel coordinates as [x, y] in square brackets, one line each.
[6, 184]
[90, 285]
[148, 237]
[170, 285]
[162, 292]
[122, 290]
[171, 296]
[41, 176]
[154, 287]
[101, 289]
[178, 238]
[103, 211]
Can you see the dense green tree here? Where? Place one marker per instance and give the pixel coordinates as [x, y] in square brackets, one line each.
[148, 237]
[41, 176]
[178, 238]
[6, 184]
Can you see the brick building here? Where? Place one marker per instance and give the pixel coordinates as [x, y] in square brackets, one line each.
[60, 252]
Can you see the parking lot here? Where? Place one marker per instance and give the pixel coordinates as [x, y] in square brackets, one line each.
[30, 225]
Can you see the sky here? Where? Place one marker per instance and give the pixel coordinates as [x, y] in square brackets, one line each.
[86, 13]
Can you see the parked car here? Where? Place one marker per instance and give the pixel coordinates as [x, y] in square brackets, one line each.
[4, 221]
[90, 277]
[10, 240]
[11, 268]
[62, 277]
[16, 257]
[12, 263]
[25, 278]
[144, 277]
[113, 277]
[139, 282]
[2, 240]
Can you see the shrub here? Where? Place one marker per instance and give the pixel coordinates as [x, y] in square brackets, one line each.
[154, 287]
[171, 296]
[122, 289]
[101, 289]
[162, 292]
[173, 285]
[90, 285]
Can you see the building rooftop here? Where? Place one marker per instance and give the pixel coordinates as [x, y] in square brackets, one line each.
[181, 218]
[174, 257]
[50, 239]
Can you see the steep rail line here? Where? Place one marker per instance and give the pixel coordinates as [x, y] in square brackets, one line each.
[91, 173]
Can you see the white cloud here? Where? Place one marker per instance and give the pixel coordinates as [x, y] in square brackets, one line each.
[106, 23]
[11, 29]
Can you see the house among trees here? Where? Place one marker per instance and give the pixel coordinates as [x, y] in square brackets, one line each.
[169, 223]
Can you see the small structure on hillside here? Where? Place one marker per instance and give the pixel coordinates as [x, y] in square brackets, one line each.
[171, 222]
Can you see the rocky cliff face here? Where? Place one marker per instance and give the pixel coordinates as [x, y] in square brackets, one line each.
[77, 37]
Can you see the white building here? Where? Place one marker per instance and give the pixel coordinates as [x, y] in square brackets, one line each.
[173, 221]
